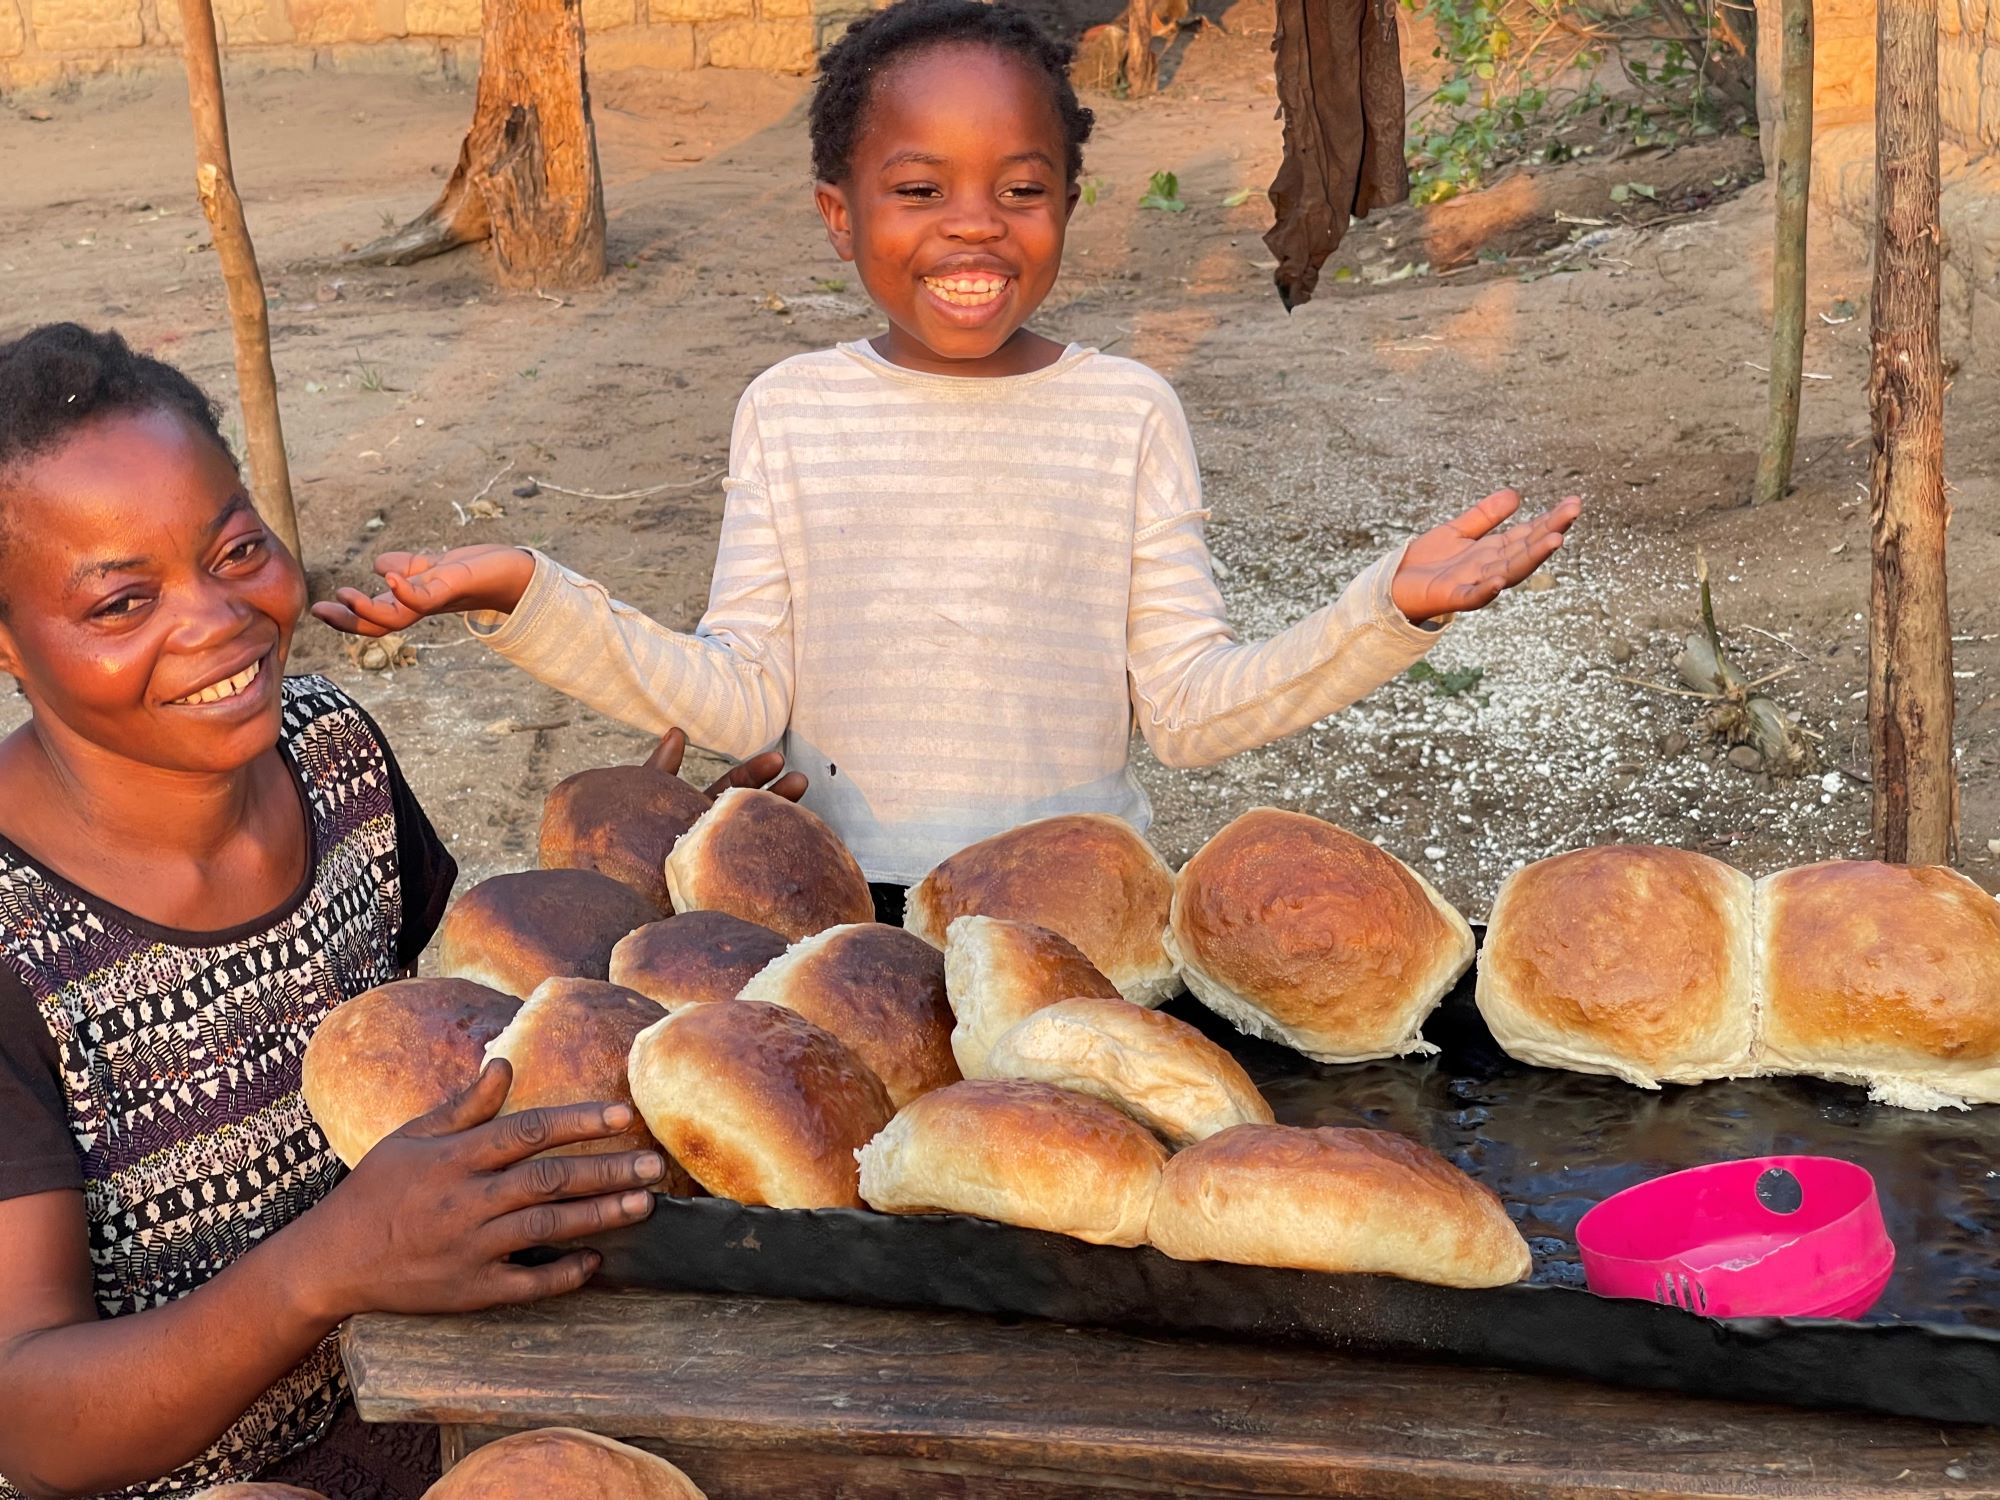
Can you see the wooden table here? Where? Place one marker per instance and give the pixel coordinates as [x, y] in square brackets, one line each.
[798, 1400]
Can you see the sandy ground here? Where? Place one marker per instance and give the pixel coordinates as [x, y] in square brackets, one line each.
[1618, 366]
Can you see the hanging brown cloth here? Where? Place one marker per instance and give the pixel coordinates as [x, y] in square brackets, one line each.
[1340, 92]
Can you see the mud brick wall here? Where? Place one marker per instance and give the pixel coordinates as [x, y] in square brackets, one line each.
[50, 42]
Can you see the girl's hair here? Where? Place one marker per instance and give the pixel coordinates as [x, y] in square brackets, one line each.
[56, 378]
[848, 70]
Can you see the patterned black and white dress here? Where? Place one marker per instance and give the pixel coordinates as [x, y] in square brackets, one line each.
[158, 1071]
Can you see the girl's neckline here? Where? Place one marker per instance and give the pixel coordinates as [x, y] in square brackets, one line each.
[180, 937]
[869, 355]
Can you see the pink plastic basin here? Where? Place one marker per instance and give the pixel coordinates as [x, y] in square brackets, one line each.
[1774, 1236]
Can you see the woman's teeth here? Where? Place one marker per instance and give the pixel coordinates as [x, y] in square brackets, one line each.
[228, 688]
[967, 291]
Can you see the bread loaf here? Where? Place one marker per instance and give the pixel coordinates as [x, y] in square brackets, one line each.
[1882, 975]
[697, 957]
[757, 856]
[621, 821]
[561, 1463]
[1159, 1070]
[759, 1104]
[397, 1052]
[514, 931]
[881, 991]
[1627, 960]
[1298, 932]
[1334, 1200]
[1021, 1153]
[998, 973]
[1087, 876]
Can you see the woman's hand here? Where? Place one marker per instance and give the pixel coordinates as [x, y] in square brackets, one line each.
[1465, 564]
[420, 585]
[426, 1222]
[758, 771]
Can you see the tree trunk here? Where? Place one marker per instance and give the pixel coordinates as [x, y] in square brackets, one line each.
[527, 175]
[1142, 68]
[1910, 683]
[1788, 255]
[243, 284]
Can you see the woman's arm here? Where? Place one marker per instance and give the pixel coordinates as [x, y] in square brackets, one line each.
[424, 1224]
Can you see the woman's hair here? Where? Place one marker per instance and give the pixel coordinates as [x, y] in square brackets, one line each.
[56, 378]
[848, 70]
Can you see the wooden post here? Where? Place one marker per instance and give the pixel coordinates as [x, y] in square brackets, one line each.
[249, 318]
[1788, 254]
[1910, 684]
[1142, 68]
[527, 175]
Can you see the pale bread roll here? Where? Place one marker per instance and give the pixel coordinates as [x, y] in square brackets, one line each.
[621, 821]
[568, 1045]
[1020, 1153]
[1159, 1070]
[769, 861]
[1334, 1200]
[881, 991]
[257, 1489]
[695, 958]
[1296, 931]
[1627, 960]
[998, 973]
[759, 1104]
[561, 1463]
[1882, 975]
[397, 1052]
[514, 931]
[1088, 876]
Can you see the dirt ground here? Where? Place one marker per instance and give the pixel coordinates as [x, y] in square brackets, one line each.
[1618, 364]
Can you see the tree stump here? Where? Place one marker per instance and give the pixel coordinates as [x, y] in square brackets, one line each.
[527, 175]
[1910, 695]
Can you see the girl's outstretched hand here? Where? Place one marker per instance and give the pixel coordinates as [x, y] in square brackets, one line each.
[422, 584]
[766, 770]
[1466, 563]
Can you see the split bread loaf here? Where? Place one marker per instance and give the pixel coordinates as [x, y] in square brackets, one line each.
[998, 973]
[1334, 1200]
[561, 1463]
[881, 991]
[758, 1104]
[1088, 876]
[1020, 1153]
[1159, 1070]
[693, 959]
[767, 860]
[1299, 932]
[396, 1052]
[1882, 975]
[1628, 960]
[513, 931]
[621, 821]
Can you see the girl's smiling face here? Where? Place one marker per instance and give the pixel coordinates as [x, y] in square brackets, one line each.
[954, 207]
[148, 611]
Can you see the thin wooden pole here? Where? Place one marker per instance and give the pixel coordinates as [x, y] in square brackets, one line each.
[1788, 254]
[1910, 684]
[1142, 68]
[249, 319]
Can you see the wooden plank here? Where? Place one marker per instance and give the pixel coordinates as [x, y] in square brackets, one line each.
[815, 1390]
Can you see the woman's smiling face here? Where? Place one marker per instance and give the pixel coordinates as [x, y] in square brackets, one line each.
[147, 609]
[955, 203]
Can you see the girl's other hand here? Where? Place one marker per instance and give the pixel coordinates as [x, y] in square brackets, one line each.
[427, 1221]
[1465, 564]
[422, 584]
[766, 770]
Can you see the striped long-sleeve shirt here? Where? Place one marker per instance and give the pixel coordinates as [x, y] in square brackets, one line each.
[951, 599]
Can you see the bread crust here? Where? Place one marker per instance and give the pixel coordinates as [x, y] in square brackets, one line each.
[514, 931]
[621, 821]
[767, 860]
[548, 1462]
[997, 973]
[694, 958]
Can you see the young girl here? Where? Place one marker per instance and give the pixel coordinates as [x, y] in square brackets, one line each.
[959, 560]
[199, 859]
